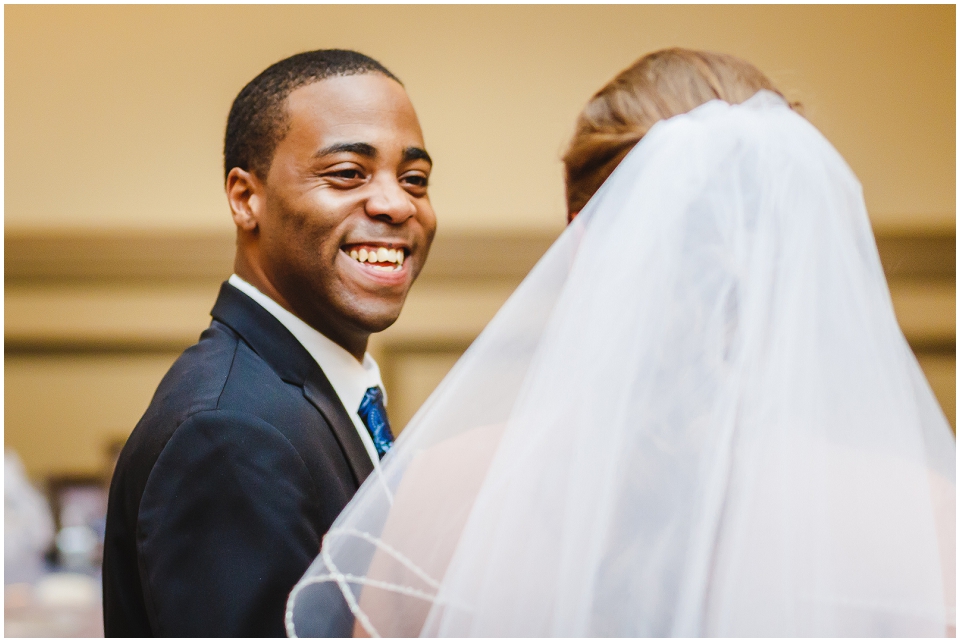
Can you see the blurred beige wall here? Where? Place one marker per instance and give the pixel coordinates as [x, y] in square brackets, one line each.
[114, 125]
[115, 114]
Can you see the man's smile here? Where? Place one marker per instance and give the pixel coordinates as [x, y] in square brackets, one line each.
[384, 262]
[386, 257]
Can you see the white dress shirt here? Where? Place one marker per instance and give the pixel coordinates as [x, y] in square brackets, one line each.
[349, 378]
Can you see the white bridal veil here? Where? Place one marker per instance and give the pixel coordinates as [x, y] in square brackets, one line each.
[696, 416]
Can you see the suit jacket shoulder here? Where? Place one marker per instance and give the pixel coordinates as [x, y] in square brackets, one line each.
[242, 460]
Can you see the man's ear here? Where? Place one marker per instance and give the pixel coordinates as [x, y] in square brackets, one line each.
[245, 196]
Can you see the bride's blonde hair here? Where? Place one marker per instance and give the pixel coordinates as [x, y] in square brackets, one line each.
[658, 86]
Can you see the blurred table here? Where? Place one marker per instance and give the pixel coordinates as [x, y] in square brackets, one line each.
[56, 605]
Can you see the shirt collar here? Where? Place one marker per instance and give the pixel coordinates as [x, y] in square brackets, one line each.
[349, 378]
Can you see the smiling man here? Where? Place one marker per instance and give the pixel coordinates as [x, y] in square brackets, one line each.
[262, 432]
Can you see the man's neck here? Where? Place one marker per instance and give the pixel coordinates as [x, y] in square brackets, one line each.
[357, 347]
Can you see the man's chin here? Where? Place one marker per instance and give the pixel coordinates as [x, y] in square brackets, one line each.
[377, 322]
[370, 313]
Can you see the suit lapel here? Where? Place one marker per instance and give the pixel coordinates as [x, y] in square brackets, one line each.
[290, 360]
[320, 393]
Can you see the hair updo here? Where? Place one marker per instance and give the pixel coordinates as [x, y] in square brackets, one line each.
[658, 86]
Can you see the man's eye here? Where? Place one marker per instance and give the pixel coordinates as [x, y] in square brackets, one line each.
[416, 179]
[349, 174]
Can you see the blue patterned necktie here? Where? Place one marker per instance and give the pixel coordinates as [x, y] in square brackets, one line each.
[374, 416]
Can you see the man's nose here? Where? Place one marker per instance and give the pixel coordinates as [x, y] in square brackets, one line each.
[389, 202]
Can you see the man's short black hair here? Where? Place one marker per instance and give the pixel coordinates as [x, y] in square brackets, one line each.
[258, 119]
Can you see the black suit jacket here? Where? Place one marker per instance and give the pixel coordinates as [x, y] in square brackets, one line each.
[221, 495]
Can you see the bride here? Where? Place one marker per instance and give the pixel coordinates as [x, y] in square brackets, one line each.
[696, 416]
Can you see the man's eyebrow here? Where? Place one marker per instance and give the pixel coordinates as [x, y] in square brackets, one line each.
[361, 149]
[416, 153]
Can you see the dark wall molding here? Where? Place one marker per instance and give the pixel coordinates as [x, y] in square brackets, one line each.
[918, 256]
[59, 258]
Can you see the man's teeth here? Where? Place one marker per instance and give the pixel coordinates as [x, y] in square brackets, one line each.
[379, 255]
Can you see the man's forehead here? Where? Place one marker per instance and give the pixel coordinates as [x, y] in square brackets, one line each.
[359, 91]
[346, 108]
